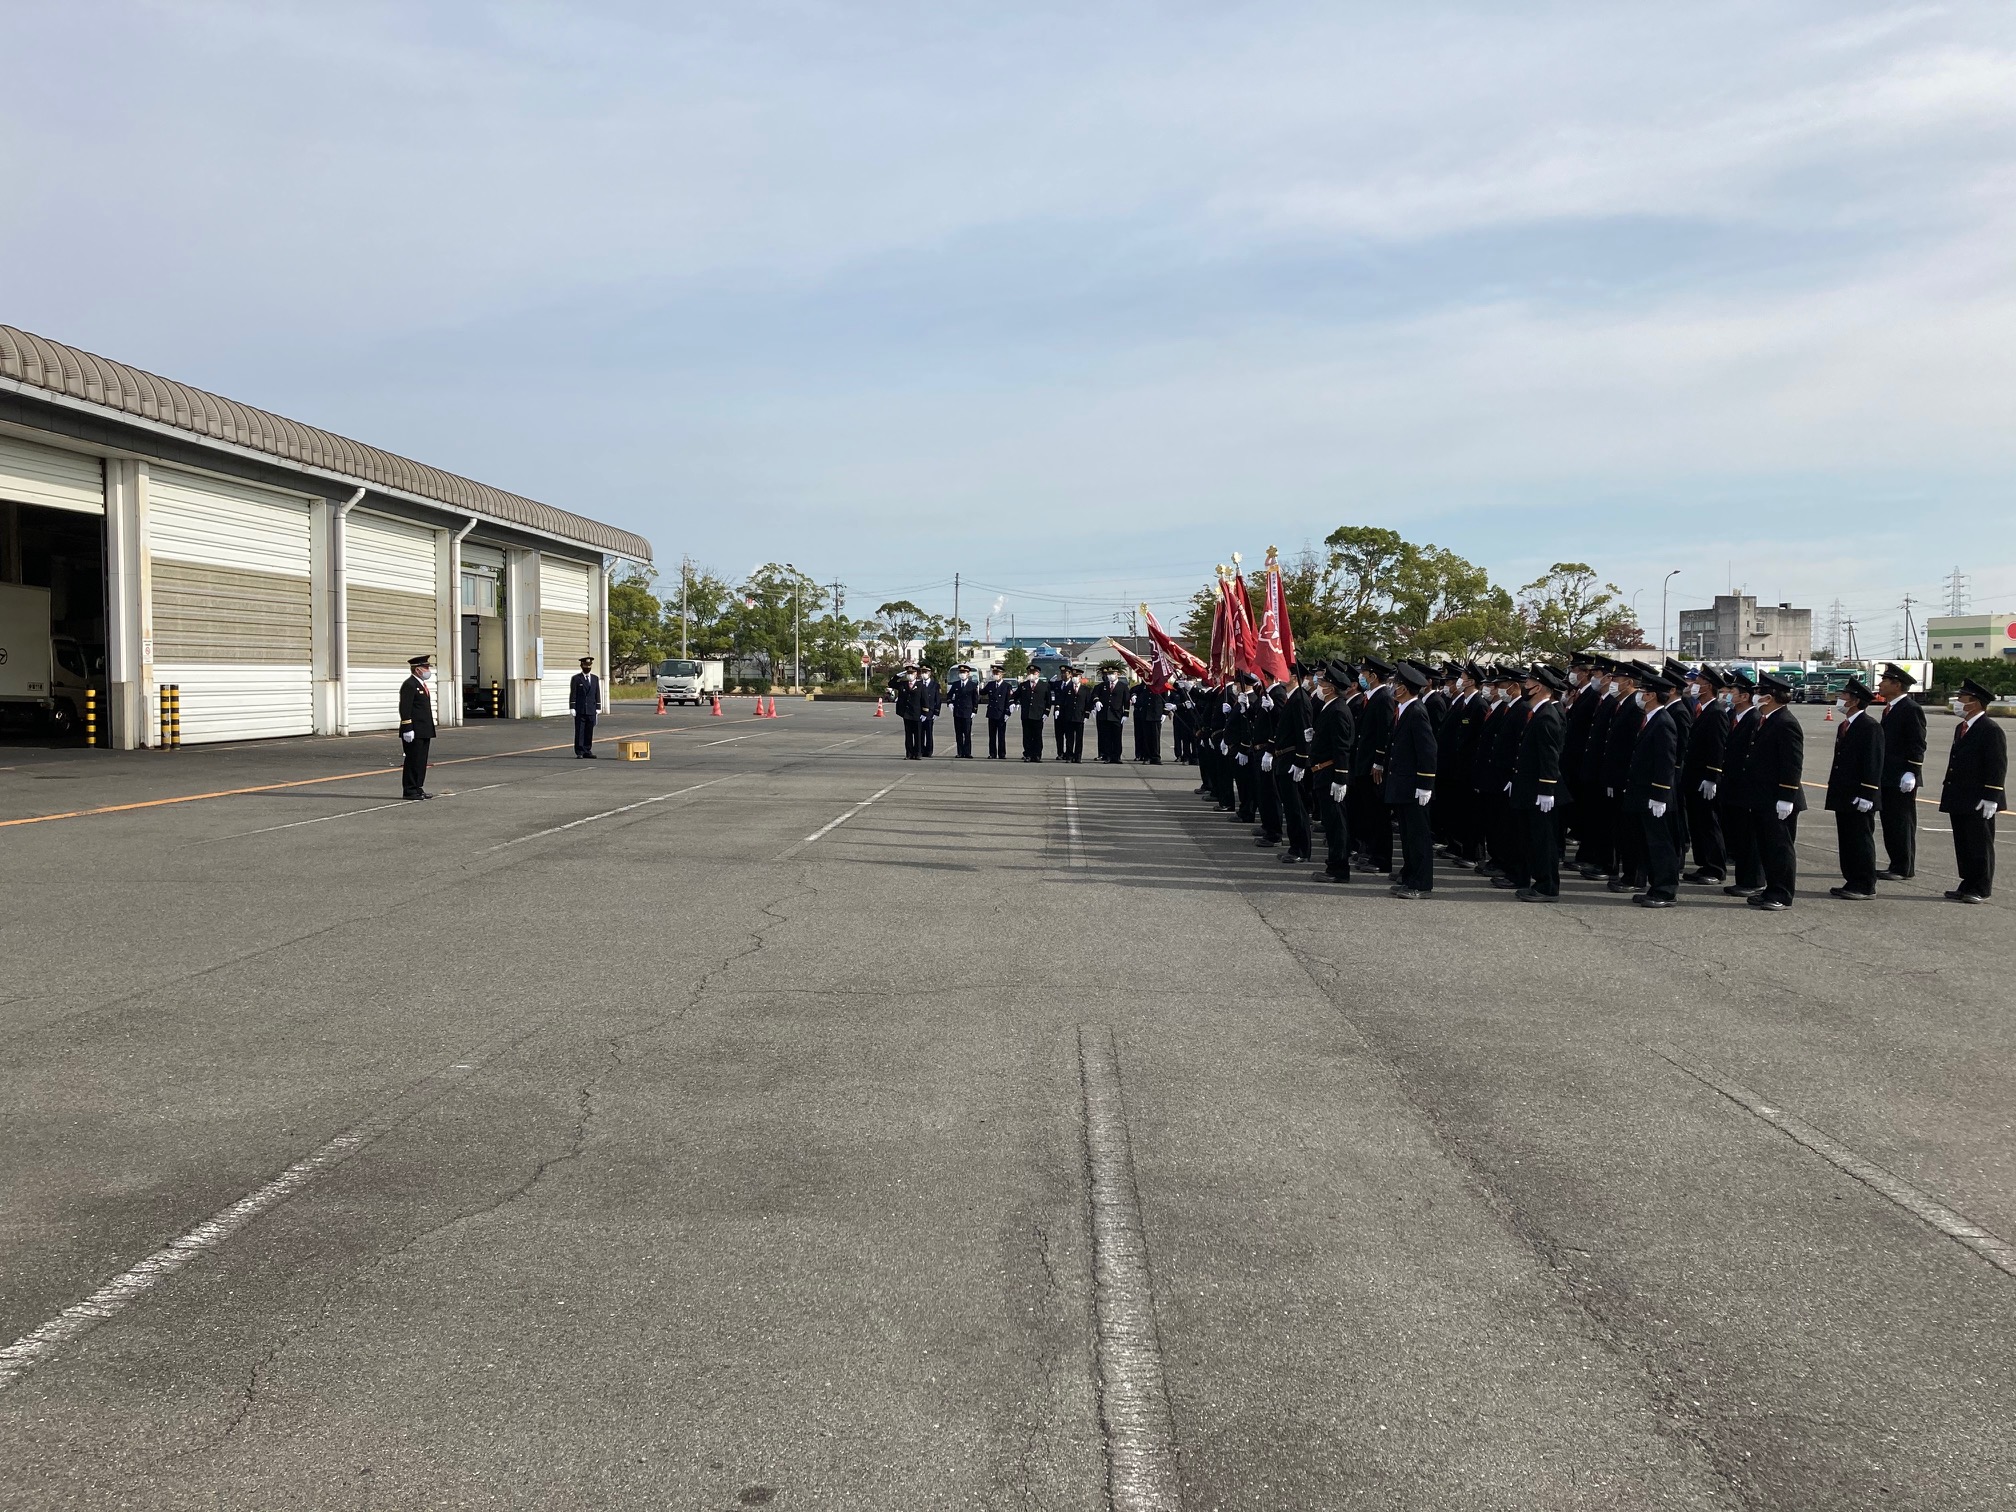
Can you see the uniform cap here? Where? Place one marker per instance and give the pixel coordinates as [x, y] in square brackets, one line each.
[1337, 673]
[1859, 690]
[1654, 682]
[1373, 664]
[1713, 678]
[1777, 687]
[1741, 679]
[1412, 675]
[1897, 674]
[419, 661]
[1553, 680]
[1974, 690]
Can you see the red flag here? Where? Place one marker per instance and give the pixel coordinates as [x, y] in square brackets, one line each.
[1245, 636]
[1134, 661]
[1178, 655]
[1221, 657]
[1275, 640]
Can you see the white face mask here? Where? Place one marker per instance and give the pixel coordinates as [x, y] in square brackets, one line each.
[1840, 706]
[1644, 700]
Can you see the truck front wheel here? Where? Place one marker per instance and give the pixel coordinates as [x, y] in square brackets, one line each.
[63, 718]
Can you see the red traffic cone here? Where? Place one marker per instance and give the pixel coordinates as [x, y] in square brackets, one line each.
[878, 710]
[1828, 717]
[773, 705]
[661, 705]
[717, 706]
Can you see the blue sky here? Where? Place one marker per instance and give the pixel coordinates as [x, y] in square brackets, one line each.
[1078, 299]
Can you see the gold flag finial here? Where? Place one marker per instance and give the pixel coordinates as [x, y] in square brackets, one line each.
[1236, 560]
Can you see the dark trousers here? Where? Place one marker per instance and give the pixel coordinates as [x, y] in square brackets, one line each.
[925, 744]
[962, 734]
[1225, 780]
[913, 739]
[1417, 844]
[1778, 848]
[1746, 862]
[1148, 741]
[1336, 829]
[1267, 795]
[1247, 781]
[1974, 852]
[1704, 830]
[1628, 840]
[997, 739]
[1856, 834]
[1661, 848]
[1294, 816]
[1379, 831]
[1543, 852]
[1071, 737]
[1900, 832]
[1109, 740]
[1032, 740]
[413, 769]
[1185, 746]
[1592, 825]
[584, 732]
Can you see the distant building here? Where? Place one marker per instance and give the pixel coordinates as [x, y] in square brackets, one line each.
[1971, 637]
[1738, 628]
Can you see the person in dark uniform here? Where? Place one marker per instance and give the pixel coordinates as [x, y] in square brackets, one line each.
[1330, 766]
[1407, 783]
[1032, 702]
[1537, 786]
[1578, 712]
[1245, 753]
[1224, 709]
[1598, 851]
[903, 688]
[1150, 709]
[1777, 762]
[1506, 830]
[1700, 772]
[1627, 835]
[584, 698]
[1454, 809]
[1903, 773]
[1855, 791]
[1649, 790]
[930, 699]
[416, 726]
[1734, 794]
[962, 697]
[1074, 702]
[1372, 825]
[1679, 704]
[1294, 733]
[1972, 794]
[1109, 713]
[999, 695]
[1183, 720]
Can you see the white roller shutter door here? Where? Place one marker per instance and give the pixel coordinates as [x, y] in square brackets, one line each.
[563, 627]
[231, 605]
[51, 477]
[389, 567]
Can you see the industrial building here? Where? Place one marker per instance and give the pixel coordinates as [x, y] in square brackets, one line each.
[1971, 637]
[1738, 628]
[277, 576]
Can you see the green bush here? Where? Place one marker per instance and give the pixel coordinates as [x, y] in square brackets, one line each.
[1998, 677]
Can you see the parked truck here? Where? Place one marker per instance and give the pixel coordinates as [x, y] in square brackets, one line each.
[685, 681]
[44, 678]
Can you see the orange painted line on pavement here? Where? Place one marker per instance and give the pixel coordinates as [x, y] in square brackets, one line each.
[275, 787]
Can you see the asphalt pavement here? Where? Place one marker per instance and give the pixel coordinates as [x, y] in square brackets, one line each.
[734, 1129]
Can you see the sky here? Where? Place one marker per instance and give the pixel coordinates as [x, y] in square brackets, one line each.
[1074, 300]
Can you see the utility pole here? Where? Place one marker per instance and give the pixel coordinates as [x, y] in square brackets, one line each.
[685, 571]
[955, 621]
[1910, 630]
[1854, 651]
[1662, 608]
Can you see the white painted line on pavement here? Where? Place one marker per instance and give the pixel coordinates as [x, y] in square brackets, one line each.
[732, 739]
[841, 745]
[1997, 1251]
[605, 814]
[1071, 823]
[1133, 1398]
[833, 824]
[346, 814]
[39, 1345]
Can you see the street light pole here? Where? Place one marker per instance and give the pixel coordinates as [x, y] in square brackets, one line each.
[1662, 609]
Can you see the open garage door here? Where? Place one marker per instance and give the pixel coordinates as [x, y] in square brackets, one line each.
[393, 600]
[563, 628]
[231, 605]
[52, 593]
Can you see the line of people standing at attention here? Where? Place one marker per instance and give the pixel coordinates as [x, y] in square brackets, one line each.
[1613, 771]
[1067, 701]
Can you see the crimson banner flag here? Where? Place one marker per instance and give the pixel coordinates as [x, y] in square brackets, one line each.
[1178, 654]
[1239, 615]
[1276, 641]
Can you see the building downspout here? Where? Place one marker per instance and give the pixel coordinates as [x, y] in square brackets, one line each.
[451, 674]
[339, 613]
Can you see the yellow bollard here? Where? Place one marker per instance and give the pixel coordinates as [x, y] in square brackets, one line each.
[496, 700]
[91, 716]
[175, 715]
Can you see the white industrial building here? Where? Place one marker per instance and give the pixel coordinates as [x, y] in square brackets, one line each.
[277, 575]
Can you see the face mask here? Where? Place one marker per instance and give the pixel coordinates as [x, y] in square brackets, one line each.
[1364, 682]
[1840, 706]
[1728, 700]
[1644, 700]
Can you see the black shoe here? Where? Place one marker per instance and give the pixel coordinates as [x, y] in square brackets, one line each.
[1592, 873]
[1263, 843]
[1504, 882]
[1490, 869]
[1849, 895]
[1703, 877]
[1893, 876]
[1770, 905]
[1330, 876]
[423, 795]
[1462, 863]
[1619, 885]
[590, 755]
[1733, 891]
[1404, 892]
[1529, 895]
[1952, 895]
[1289, 858]
[1965, 897]
[1646, 900]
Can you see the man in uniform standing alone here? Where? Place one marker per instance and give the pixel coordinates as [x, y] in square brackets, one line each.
[584, 697]
[416, 727]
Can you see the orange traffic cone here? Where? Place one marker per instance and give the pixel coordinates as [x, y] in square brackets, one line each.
[717, 705]
[661, 705]
[1828, 717]
[773, 705]
[878, 710]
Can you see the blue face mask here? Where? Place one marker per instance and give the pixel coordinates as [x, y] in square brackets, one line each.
[1364, 682]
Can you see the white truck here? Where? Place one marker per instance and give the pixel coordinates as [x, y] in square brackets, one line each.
[681, 680]
[43, 677]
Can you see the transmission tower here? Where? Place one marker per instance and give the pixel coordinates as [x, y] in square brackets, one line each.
[1835, 615]
[1956, 593]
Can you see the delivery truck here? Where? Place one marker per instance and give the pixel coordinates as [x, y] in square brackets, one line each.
[44, 678]
[685, 681]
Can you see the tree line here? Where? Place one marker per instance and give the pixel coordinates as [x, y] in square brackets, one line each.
[1371, 590]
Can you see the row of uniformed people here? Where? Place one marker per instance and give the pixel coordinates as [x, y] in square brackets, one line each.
[1635, 766]
[1067, 699]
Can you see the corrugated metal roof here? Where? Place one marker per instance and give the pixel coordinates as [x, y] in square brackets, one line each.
[45, 364]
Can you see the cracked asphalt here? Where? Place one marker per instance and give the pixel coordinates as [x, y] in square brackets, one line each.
[771, 1189]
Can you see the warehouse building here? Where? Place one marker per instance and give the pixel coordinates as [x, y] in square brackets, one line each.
[1972, 637]
[277, 576]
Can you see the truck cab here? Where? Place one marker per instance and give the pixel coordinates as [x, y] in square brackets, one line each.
[683, 681]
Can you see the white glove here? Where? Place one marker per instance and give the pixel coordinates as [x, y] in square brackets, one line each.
[1708, 791]
[1266, 700]
[1987, 807]
[1544, 803]
[1908, 783]
[1266, 761]
[1658, 808]
[1294, 774]
[1308, 733]
[1784, 808]
[1609, 792]
[1165, 716]
[1863, 805]
[1097, 707]
[1224, 708]
[1422, 795]
[1224, 749]
[1508, 787]
[406, 736]
[1240, 758]
[1337, 791]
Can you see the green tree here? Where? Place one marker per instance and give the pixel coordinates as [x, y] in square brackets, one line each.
[1568, 609]
[1015, 663]
[769, 620]
[637, 624]
[709, 628]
